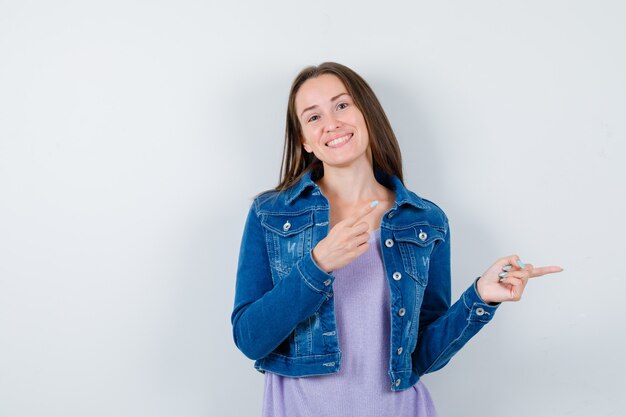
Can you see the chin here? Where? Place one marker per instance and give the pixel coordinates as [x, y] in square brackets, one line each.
[343, 163]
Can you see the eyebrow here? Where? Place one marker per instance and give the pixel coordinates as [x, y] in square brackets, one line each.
[315, 105]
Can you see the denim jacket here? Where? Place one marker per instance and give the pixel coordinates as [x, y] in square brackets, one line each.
[284, 315]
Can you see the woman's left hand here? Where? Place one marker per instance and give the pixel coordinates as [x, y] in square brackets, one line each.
[506, 279]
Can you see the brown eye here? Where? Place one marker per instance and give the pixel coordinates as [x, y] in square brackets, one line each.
[342, 106]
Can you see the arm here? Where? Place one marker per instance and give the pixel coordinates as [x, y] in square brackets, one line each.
[264, 315]
[444, 330]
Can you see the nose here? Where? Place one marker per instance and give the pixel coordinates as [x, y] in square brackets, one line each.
[332, 122]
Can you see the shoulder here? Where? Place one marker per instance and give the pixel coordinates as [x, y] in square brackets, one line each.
[278, 202]
[428, 209]
[410, 201]
[266, 200]
[300, 197]
[435, 209]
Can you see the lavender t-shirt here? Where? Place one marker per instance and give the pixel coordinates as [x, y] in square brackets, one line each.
[362, 387]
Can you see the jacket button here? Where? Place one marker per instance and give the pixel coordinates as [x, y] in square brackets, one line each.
[401, 312]
[390, 215]
[423, 236]
[399, 351]
[397, 382]
[328, 282]
[389, 243]
[286, 226]
[397, 276]
[480, 311]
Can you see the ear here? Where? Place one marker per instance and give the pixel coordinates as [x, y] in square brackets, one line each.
[305, 145]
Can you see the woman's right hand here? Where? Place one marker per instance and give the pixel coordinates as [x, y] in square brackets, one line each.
[346, 241]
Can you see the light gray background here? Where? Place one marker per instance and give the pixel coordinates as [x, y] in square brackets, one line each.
[134, 134]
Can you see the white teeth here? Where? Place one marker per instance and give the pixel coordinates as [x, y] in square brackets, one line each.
[338, 140]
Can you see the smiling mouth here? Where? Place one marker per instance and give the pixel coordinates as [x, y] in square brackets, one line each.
[339, 141]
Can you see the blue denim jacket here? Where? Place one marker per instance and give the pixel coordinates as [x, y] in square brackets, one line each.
[284, 315]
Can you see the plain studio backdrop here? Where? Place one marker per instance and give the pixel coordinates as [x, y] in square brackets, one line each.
[134, 134]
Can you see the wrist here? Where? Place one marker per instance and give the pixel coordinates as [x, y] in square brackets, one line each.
[317, 261]
[479, 285]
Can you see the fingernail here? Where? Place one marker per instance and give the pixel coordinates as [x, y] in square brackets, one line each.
[374, 203]
[502, 274]
[521, 264]
[507, 268]
[502, 279]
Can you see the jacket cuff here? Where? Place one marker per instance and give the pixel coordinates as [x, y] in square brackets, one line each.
[477, 308]
[314, 277]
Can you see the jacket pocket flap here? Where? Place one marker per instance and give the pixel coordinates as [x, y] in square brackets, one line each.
[422, 235]
[286, 224]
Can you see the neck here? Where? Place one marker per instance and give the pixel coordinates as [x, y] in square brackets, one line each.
[351, 184]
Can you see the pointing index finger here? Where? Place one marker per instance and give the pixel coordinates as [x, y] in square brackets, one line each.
[544, 270]
[364, 211]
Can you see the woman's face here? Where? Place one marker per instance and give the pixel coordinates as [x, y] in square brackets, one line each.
[333, 128]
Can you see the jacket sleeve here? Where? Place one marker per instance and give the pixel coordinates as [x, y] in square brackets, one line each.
[444, 329]
[265, 314]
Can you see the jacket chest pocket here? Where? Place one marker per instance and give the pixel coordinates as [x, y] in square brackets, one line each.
[288, 238]
[416, 244]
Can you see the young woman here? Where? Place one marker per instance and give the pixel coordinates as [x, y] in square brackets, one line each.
[343, 283]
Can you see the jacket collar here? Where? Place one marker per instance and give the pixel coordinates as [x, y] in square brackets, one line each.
[403, 196]
[305, 182]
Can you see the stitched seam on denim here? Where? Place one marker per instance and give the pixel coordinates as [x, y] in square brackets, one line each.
[306, 281]
[409, 262]
[306, 243]
[469, 309]
[267, 249]
[271, 248]
[303, 374]
[276, 255]
[413, 322]
[479, 319]
[465, 304]
[293, 213]
[437, 244]
[255, 203]
[310, 336]
[266, 196]
[307, 224]
[402, 371]
[445, 350]
[440, 228]
[303, 356]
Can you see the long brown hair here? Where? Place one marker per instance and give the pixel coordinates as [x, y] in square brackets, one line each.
[385, 149]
